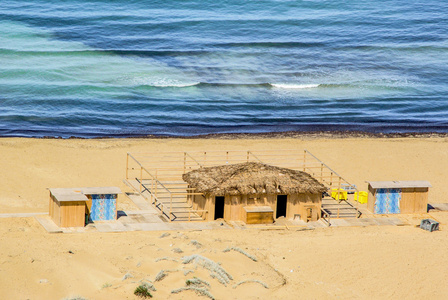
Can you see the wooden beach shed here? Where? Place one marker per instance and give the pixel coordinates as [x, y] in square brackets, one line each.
[73, 207]
[255, 193]
[398, 197]
[67, 207]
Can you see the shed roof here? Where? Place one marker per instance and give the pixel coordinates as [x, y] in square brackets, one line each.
[399, 184]
[252, 178]
[100, 190]
[78, 194]
[65, 195]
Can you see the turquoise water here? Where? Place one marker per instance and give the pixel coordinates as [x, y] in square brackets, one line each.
[131, 68]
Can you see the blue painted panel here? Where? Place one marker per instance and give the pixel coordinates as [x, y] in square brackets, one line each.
[103, 207]
[388, 201]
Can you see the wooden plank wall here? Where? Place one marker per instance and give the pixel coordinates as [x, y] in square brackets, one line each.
[371, 199]
[414, 200]
[73, 213]
[297, 204]
[55, 212]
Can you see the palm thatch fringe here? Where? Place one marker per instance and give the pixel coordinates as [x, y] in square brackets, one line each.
[252, 178]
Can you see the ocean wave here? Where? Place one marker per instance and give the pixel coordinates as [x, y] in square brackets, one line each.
[294, 86]
[175, 84]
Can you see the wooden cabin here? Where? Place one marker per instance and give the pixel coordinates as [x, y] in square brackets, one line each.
[68, 207]
[74, 207]
[398, 197]
[255, 193]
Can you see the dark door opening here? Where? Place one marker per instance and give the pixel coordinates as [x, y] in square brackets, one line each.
[219, 208]
[281, 206]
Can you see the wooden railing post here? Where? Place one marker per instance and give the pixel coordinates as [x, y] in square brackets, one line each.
[339, 188]
[321, 172]
[171, 205]
[331, 179]
[127, 166]
[304, 160]
[141, 178]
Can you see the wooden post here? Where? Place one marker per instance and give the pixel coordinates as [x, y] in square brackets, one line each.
[141, 178]
[339, 188]
[321, 172]
[171, 205]
[338, 208]
[189, 213]
[248, 156]
[127, 165]
[331, 182]
[152, 191]
[304, 160]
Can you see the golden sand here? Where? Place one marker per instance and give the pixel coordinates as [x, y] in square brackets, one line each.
[387, 262]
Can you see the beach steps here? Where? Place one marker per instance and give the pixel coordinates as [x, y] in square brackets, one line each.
[339, 210]
[168, 197]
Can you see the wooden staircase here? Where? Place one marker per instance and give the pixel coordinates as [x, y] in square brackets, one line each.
[339, 209]
[174, 207]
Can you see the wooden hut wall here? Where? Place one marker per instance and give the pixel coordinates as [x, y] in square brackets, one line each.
[234, 205]
[204, 203]
[414, 200]
[72, 214]
[371, 199]
[312, 201]
[55, 210]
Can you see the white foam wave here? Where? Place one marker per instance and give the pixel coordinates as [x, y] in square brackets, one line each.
[162, 82]
[294, 86]
[176, 84]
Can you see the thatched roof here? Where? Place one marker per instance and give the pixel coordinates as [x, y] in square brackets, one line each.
[252, 178]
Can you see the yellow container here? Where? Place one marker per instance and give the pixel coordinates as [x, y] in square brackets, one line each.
[362, 197]
[338, 194]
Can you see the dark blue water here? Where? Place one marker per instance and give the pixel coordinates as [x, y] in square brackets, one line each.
[124, 68]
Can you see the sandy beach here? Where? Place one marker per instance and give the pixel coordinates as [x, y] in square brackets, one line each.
[387, 262]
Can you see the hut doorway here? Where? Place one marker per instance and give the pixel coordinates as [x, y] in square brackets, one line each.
[219, 208]
[282, 201]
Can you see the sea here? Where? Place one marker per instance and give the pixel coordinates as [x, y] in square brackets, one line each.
[116, 68]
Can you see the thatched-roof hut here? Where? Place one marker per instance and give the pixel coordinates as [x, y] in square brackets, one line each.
[255, 192]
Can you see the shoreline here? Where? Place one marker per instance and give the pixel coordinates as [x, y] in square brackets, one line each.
[250, 135]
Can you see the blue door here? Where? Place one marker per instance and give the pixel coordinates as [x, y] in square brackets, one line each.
[103, 207]
[388, 201]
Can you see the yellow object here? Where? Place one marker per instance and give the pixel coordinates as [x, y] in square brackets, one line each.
[338, 195]
[362, 197]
